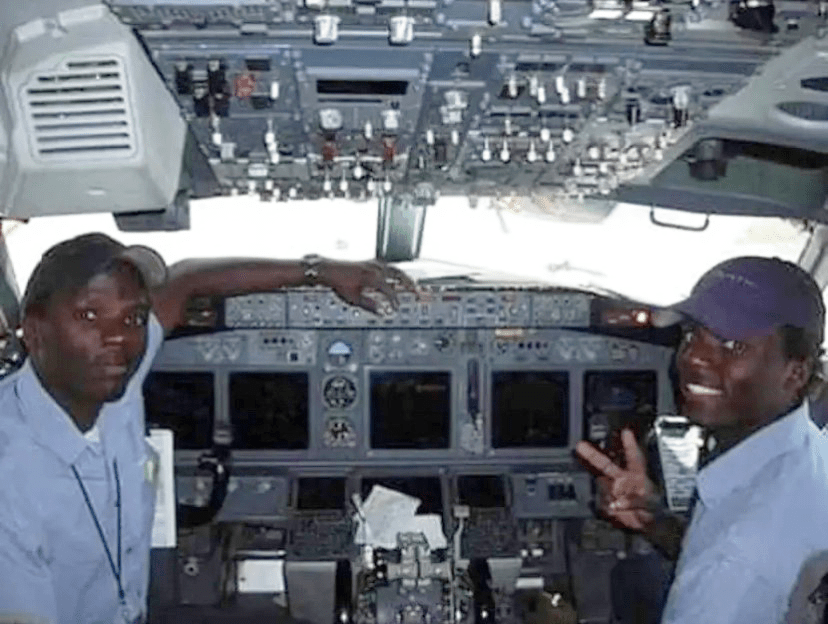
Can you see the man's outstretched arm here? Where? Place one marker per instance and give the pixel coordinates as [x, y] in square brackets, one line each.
[352, 281]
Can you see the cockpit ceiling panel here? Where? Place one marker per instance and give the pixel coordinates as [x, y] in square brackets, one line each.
[357, 100]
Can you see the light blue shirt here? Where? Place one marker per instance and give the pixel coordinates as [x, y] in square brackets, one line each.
[53, 565]
[762, 510]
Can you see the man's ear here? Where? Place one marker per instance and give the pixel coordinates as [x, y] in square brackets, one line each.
[32, 332]
[798, 374]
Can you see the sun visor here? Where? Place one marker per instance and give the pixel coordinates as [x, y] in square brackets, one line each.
[89, 124]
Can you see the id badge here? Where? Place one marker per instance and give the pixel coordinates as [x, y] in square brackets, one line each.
[131, 614]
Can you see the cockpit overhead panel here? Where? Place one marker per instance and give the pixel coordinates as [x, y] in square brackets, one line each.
[567, 101]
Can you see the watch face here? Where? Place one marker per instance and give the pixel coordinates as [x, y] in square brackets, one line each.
[310, 264]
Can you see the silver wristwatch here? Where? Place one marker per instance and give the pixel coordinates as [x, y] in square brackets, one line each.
[310, 267]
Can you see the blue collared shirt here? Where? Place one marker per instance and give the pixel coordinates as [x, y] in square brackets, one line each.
[53, 565]
[762, 510]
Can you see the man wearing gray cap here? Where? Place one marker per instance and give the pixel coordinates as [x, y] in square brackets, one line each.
[750, 350]
[76, 504]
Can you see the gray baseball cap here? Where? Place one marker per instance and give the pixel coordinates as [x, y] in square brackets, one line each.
[71, 264]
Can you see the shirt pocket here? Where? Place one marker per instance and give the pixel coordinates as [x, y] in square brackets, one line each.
[71, 525]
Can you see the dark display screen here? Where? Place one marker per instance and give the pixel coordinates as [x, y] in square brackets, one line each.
[481, 491]
[627, 392]
[427, 489]
[320, 493]
[269, 410]
[617, 400]
[183, 402]
[410, 410]
[530, 409]
[362, 87]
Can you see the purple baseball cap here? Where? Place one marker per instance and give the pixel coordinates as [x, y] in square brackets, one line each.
[751, 296]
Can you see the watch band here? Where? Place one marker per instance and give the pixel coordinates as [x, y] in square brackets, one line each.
[310, 267]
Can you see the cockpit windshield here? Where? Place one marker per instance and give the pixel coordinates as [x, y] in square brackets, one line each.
[651, 256]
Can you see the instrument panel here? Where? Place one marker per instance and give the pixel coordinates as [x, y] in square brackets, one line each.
[467, 401]
[457, 380]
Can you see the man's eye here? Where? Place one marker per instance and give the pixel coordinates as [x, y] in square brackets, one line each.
[137, 320]
[734, 346]
[687, 335]
[89, 315]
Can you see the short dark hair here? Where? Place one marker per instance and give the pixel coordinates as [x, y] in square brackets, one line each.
[805, 345]
[70, 265]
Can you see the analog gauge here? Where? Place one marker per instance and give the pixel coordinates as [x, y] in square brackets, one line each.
[340, 353]
[339, 432]
[339, 392]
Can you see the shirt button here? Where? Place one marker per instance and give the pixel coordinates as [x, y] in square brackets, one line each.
[129, 550]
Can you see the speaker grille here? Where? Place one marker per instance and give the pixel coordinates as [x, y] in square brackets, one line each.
[80, 110]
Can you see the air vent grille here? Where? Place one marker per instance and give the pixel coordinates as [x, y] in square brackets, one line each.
[81, 110]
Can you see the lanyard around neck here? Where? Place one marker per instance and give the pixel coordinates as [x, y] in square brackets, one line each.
[116, 571]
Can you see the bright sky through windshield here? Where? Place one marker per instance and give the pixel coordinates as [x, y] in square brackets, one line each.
[624, 253]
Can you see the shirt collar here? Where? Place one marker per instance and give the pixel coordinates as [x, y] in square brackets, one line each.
[739, 464]
[50, 423]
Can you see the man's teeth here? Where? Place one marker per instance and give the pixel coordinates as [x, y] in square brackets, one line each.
[697, 389]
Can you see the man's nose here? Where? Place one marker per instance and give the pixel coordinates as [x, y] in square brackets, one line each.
[114, 333]
[699, 350]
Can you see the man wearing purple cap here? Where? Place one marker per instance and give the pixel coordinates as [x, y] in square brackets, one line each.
[749, 354]
[76, 505]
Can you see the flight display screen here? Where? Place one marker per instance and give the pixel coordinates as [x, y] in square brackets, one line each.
[183, 402]
[530, 409]
[481, 491]
[618, 400]
[410, 410]
[320, 493]
[269, 410]
[631, 392]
